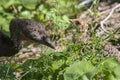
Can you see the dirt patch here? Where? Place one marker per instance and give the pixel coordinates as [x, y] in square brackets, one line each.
[109, 12]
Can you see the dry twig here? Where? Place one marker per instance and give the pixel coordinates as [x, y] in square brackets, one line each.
[110, 14]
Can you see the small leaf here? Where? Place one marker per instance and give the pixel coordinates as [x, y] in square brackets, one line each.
[30, 4]
[26, 14]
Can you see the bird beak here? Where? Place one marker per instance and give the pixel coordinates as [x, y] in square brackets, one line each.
[49, 43]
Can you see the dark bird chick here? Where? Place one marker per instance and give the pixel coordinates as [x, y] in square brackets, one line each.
[7, 46]
[30, 30]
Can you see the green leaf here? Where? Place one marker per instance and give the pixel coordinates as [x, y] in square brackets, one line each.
[77, 70]
[111, 67]
[30, 4]
[4, 24]
[66, 19]
[1, 10]
[8, 3]
[26, 14]
[57, 64]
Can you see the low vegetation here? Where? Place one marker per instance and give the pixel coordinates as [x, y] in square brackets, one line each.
[81, 49]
